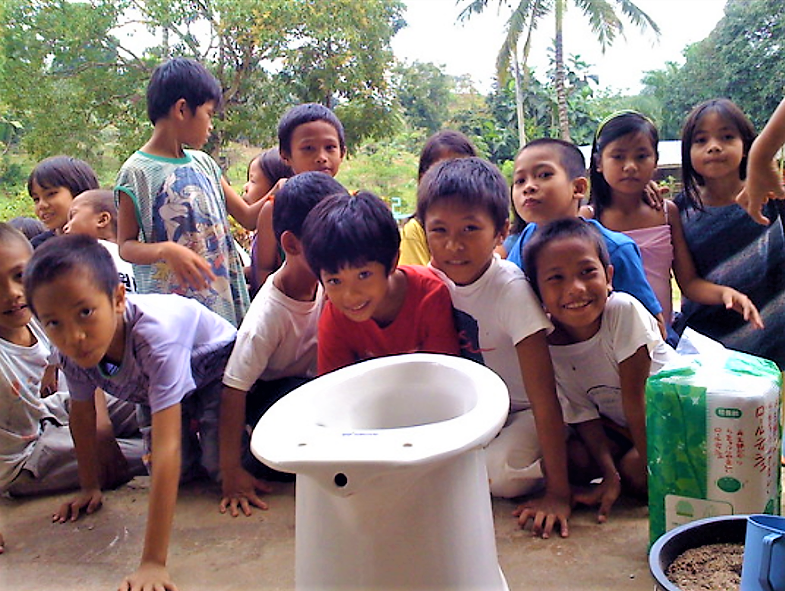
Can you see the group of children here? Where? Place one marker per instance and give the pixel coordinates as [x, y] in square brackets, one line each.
[574, 337]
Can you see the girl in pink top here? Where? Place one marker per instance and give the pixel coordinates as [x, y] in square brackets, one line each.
[623, 161]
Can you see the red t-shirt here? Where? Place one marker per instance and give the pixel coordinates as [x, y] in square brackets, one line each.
[424, 324]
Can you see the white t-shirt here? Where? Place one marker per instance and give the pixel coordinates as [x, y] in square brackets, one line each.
[124, 269]
[276, 339]
[494, 314]
[587, 373]
[21, 407]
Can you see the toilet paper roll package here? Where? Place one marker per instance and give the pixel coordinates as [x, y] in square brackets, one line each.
[714, 431]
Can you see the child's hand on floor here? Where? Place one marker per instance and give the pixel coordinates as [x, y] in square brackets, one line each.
[545, 513]
[239, 488]
[149, 576]
[603, 494]
[88, 500]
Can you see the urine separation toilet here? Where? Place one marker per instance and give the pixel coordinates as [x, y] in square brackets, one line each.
[391, 489]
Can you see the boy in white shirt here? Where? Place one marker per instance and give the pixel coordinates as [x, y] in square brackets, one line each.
[275, 349]
[604, 347]
[464, 206]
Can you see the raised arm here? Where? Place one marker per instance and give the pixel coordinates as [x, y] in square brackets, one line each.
[246, 214]
[268, 256]
[764, 180]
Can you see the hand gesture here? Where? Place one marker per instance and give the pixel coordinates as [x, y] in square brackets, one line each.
[654, 195]
[190, 268]
[88, 501]
[735, 300]
[239, 488]
[148, 577]
[603, 494]
[545, 513]
[763, 183]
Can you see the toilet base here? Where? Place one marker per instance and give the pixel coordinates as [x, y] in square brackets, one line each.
[424, 527]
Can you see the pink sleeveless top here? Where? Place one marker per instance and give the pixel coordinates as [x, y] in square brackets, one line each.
[657, 253]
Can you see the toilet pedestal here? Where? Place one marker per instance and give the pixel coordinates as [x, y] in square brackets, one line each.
[402, 506]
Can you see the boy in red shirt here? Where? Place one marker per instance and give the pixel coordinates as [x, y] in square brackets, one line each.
[375, 307]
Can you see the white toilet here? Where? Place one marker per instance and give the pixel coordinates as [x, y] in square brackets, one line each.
[392, 490]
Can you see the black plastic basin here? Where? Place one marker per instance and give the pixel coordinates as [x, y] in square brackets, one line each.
[725, 529]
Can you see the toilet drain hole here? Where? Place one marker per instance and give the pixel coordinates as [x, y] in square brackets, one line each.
[340, 480]
[407, 445]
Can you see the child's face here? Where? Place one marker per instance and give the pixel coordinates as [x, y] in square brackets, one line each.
[198, 124]
[83, 219]
[258, 184]
[80, 320]
[315, 147]
[14, 313]
[357, 291]
[573, 285]
[541, 189]
[628, 164]
[51, 205]
[717, 148]
[461, 239]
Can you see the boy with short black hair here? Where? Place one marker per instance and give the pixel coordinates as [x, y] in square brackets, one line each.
[549, 182]
[173, 202]
[94, 213]
[164, 352]
[276, 344]
[310, 139]
[463, 204]
[375, 307]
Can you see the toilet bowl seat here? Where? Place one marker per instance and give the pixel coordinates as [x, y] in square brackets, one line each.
[384, 411]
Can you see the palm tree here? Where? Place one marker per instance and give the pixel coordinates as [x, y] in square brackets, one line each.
[603, 21]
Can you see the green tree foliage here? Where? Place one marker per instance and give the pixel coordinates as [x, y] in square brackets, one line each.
[424, 93]
[75, 72]
[602, 19]
[742, 59]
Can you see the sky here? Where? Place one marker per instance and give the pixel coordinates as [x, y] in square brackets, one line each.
[434, 35]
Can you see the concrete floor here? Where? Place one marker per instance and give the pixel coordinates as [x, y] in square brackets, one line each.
[214, 552]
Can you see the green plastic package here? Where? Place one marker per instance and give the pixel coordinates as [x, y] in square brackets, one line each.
[713, 424]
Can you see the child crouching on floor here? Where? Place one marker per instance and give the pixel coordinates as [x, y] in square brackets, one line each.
[164, 352]
[276, 344]
[604, 346]
[463, 205]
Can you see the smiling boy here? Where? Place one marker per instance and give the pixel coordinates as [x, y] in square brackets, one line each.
[549, 182]
[465, 211]
[375, 307]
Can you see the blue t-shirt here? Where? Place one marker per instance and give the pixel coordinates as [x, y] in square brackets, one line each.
[628, 273]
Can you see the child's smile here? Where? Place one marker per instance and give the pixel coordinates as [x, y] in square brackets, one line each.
[357, 291]
[574, 286]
